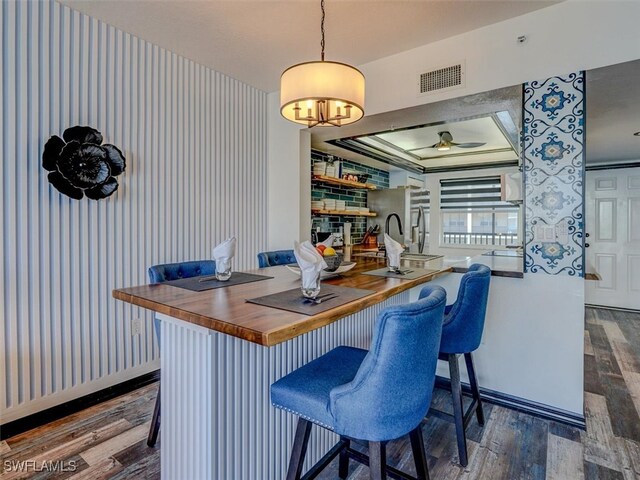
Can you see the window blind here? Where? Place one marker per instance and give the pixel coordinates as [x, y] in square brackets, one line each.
[477, 193]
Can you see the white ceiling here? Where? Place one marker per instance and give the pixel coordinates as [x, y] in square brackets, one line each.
[414, 147]
[421, 140]
[254, 41]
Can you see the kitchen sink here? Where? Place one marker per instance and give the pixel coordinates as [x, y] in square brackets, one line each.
[419, 256]
[369, 254]
[422, 257]
[503, 253]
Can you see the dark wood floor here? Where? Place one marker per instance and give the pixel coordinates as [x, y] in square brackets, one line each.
[108, 441]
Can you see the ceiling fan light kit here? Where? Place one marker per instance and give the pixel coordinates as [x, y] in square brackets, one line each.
[321, 92]
[446, 142]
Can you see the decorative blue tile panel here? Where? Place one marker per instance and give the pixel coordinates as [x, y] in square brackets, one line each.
[553, 148]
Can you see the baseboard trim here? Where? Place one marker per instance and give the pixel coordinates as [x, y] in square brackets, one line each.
[520, 404]
[43, 417]
[615, 309]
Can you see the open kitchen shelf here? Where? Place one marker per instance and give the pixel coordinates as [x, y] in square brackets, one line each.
[342, 183]
[343, 212]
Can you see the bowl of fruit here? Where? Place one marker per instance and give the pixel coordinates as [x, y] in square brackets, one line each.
[331, 258]
[335, 265]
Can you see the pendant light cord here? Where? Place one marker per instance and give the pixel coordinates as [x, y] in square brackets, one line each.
[322, 30]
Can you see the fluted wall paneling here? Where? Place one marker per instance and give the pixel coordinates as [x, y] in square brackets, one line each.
[195, 143]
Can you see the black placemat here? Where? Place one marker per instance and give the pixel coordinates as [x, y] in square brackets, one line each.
[412, 273]
[293, 301]
[208, 282]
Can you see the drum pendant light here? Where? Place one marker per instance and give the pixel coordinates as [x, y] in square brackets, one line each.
[322, 93]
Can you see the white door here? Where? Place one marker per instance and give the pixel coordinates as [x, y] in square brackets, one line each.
[613, 236]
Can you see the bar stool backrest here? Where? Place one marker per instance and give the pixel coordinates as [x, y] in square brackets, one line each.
[464, 322]
[277, 257]
[391, 391]
[175, 271]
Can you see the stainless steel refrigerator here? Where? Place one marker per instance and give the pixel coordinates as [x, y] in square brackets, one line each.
[411, 204]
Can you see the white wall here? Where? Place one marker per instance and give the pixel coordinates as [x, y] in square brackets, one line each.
[570, 36]
[533, 341]
[196, 148]
[284, 178]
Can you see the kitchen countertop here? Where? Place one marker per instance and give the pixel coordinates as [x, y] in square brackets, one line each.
[500, 266]
[226, 310]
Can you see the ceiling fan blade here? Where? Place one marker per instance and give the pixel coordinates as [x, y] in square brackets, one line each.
[469, 144]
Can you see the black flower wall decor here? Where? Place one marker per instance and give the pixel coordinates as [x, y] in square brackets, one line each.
[80, 165]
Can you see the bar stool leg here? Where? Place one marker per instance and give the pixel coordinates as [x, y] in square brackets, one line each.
[343, 465]
[377, 461]
[155, 422]
[419, 455]
[474, 387]
[300, 442]
[456, 394]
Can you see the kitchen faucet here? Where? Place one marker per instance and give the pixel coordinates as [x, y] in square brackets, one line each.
[386, 223]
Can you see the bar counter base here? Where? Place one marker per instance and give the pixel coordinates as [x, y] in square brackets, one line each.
[217, 418]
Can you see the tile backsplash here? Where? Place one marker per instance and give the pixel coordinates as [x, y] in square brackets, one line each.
[355, 197]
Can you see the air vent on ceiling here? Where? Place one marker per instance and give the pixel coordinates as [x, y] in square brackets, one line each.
[444, 78]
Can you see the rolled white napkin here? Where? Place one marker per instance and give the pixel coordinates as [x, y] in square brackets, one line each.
[328, 242]
[394, 249]
[223, 254]
[309, 261]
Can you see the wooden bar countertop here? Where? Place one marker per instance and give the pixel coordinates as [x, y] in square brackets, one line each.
[225, 309]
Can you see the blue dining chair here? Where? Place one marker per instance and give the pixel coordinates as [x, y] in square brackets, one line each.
[369, 396]
[461, 335]
[165, 273]
[277, 257]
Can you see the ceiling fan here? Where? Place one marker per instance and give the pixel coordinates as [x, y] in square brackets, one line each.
[446, 142]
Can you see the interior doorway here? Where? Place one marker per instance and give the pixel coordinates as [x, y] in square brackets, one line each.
[613, 237]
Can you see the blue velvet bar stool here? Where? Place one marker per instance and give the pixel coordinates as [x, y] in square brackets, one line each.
[369, 396]
[461, 335]
[165, 273]
[277, 257]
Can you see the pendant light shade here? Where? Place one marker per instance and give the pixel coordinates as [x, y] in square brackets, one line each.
[322, 93]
